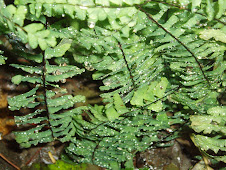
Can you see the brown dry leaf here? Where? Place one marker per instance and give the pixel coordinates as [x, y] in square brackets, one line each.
[6, 125]
[3, 100]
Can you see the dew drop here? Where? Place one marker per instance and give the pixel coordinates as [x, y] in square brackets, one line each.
[83, 7]
[91, 24]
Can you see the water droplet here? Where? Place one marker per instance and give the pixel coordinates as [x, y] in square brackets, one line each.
[91, 24]
[83, 7]
[194, 10]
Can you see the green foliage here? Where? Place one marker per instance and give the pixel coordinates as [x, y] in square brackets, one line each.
[152, 56]
[116, 137]
[2, 58]
[60, 165]
[214, 124]
[52, 126]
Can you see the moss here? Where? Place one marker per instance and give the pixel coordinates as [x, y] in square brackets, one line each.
[59, 165]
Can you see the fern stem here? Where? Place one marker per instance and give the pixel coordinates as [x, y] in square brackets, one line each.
[93, 154]
[45, 90]
[127, 65]
[180, 42]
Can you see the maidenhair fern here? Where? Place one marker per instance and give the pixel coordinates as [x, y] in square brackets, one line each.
[211, 124]
[152, 56]
[52, 123]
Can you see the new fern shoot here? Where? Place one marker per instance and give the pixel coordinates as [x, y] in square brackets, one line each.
[153, 58]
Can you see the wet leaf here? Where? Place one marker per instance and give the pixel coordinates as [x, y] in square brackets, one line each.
[218, 35]
[111, 113]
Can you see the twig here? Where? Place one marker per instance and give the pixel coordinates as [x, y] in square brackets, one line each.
[33, 156]
[51, 157]
[12, 164]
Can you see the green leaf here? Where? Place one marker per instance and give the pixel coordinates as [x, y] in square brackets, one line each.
[217, 34]
[111, 113]
[19, 16]
[149, 95]
[97, 111]
[103, 2]
[184, 2]
[204, 123]
[210, 9]
[33, 57]
[207, 143]
[157, 107]
[33, 41]
[141, 19]
[34, 27]
[25, 118]
[125, 31]
[23, 100]
[9, 11]
[160, 89]
[114, 165]
[162, 117]
[22, 35]
[2, 59]
[42, 43]
[117, 2]
[222, 7]
[32, 136]
[80, 13]
[28, 69]
[195, 3]
[217, 111]
[96, 14]
[138, 96]
[119, 105]
[59, 50]
[17, 79]
[60, 69]
[63, 102]
[62, 76]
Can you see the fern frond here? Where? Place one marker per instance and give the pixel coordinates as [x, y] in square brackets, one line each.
[215, 121]
[210, 143]
[207, 124]
[35, 34]
[92, 11]
[151, 57]
[114, 136]
[131, 62]
[51, 121]
[214, 124]
[197, 60]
